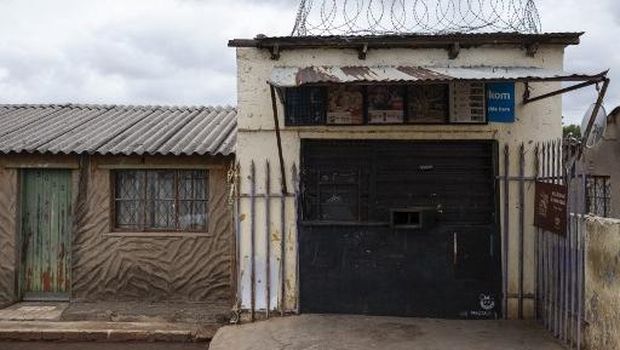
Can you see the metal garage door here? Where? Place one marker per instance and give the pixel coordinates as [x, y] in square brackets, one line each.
[400, 228]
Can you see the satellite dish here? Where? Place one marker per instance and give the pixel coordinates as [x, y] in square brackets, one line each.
[598, 128]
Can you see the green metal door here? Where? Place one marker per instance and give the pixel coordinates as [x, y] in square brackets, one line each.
[46, 234]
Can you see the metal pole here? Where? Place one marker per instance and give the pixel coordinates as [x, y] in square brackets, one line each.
[238, 232]
[573, 284]
[274, 106]
[282, 250]
[548, 253]
[268, 236]
[545, 249]
[521, 227]
[564, 90]
[506, 226]
[580, 270]
[537, 277]
[253, 239]
[298, 215]
[561, 290]
[565, 251]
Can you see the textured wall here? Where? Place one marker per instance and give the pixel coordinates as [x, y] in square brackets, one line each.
[8, 229]
[603, 284]
[109, 267]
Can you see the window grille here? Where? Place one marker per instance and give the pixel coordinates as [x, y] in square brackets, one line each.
[306, 106]
[598, 190]
[160, 200]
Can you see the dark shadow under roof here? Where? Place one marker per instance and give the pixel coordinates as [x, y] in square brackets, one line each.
[117, 129]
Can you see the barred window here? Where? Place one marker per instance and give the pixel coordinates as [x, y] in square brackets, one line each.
[598, 195]
[306, 106]
[160, 200]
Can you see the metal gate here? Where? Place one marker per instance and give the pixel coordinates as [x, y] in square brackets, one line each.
[45, 234]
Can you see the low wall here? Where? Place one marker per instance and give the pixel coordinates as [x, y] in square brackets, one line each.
[602, 284]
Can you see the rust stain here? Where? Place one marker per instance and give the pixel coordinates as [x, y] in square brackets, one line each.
[311, 75]
[46, 280]
[60, 269]
[360, 73]
[420, 73]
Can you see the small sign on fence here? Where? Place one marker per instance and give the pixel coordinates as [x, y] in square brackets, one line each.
[550, 207]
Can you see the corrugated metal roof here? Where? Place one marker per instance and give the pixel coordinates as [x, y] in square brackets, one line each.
[118, 130]
[296, 76]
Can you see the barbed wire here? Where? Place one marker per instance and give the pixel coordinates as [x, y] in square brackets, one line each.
[378, 17]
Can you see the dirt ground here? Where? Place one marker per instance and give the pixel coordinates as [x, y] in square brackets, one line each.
[364, 333]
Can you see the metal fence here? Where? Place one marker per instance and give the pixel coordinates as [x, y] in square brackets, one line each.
[560, 272]
[273, 199]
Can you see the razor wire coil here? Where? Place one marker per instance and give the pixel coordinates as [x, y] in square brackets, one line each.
[385, 17]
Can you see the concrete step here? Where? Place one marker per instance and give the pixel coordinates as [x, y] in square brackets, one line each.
[94, 331]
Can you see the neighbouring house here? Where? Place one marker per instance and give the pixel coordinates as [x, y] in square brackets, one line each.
[116, 203]
[392, 175]
[603, 171]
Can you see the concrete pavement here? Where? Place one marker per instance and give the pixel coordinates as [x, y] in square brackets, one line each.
[104, 331]
[111, 322]
[342, 332]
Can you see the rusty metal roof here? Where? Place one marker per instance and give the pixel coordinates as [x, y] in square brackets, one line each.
[297, 76]
[117, 130]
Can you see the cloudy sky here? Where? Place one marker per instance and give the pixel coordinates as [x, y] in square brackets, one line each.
[174, 51]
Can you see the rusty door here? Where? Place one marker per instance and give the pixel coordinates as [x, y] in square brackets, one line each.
[45, 234]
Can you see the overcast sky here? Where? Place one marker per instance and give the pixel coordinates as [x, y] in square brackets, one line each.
[174, 51]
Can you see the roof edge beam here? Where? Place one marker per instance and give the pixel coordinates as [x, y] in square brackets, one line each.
[410, 41]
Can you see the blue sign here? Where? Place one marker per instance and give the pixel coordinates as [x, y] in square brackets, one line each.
[501, 102]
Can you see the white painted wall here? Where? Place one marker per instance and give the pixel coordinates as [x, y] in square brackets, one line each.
[539, 121]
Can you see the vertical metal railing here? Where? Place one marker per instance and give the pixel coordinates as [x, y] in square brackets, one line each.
[260, 229]
[559, 292]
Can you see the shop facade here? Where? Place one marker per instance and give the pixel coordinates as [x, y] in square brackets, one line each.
[376, 173]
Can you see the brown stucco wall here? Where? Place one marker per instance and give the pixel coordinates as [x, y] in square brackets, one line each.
[110, 266]
[603, 284]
